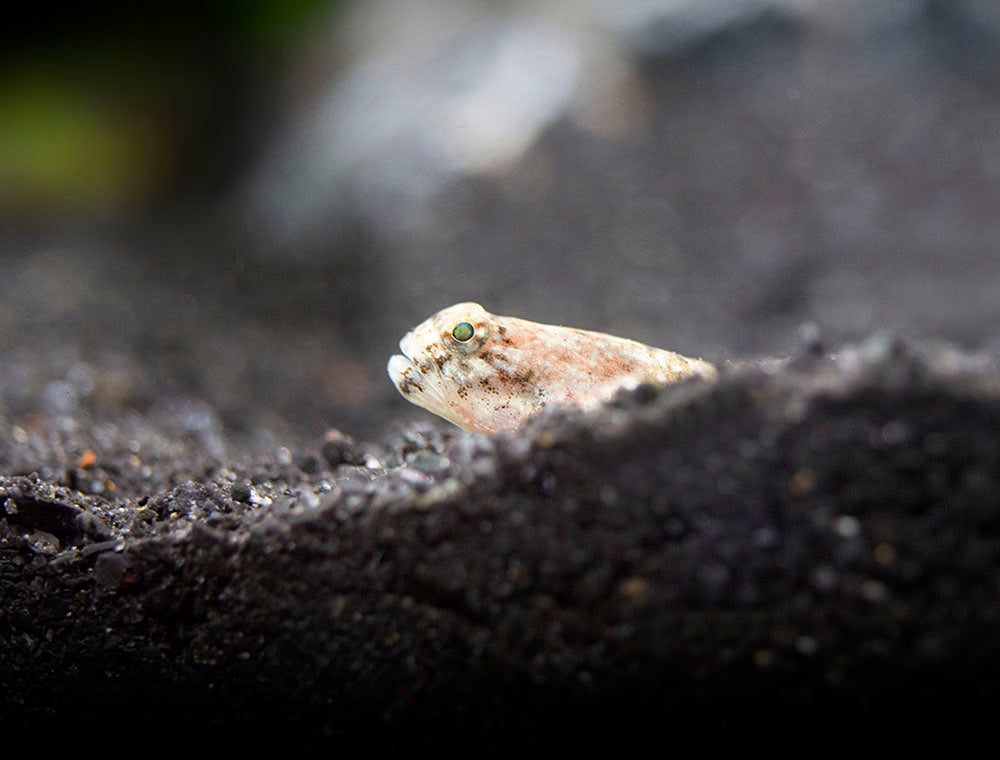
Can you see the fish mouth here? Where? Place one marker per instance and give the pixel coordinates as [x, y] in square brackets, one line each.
[405, 373]
[399, 369]
[400, 365]
[414, 384]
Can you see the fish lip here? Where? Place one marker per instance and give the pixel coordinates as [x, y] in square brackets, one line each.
[407, 347]
[398, 365]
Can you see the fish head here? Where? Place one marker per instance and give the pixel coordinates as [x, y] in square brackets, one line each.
[449, 366]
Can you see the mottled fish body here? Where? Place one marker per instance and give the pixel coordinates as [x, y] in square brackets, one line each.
[488, 373]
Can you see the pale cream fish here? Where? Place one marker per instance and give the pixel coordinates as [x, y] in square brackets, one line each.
[488, 374]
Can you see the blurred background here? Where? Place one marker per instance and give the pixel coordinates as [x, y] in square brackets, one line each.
[227, 220]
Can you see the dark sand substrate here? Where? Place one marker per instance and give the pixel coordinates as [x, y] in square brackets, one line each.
[799, 541]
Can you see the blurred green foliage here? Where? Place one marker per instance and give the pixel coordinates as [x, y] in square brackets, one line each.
[109, 112]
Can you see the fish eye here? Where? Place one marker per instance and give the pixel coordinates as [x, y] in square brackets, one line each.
[463, 332]
[467, 334]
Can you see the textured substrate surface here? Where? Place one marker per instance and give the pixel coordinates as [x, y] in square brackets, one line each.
[806, 539]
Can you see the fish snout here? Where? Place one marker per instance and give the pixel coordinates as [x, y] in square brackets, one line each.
[409, 345]
[397, 367]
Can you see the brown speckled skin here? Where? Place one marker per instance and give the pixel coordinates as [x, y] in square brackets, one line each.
[511, 368]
